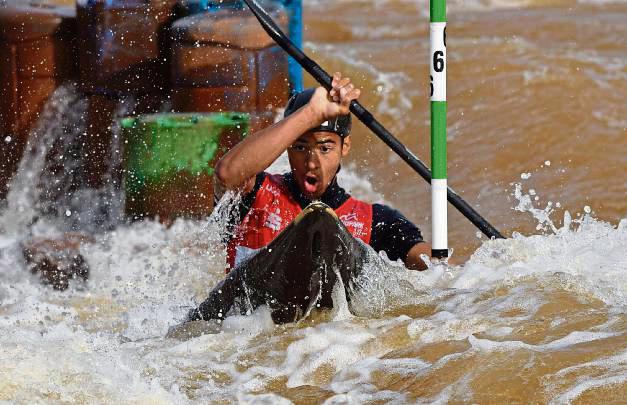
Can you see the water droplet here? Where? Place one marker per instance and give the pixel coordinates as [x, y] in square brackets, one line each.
[547, 163]
[525, 176]
[7, 139]
[587, 209]
[68, 213]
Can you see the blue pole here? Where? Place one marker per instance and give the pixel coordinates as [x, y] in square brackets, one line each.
[295, 9]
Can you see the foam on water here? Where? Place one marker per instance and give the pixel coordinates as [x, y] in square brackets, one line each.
[600, 2]
[88, 343]
[572, 250]
[610, 370]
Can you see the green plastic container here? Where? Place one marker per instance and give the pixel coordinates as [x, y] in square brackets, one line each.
[169, 161]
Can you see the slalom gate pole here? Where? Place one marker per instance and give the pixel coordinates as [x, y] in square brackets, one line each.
[368, 119]
[437, 70]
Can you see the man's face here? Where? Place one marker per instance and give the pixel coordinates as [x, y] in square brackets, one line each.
[314, 159]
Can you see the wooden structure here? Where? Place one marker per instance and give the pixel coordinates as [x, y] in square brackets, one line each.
[37, 48]
[224, 61]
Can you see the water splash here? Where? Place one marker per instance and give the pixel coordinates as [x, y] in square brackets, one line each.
[76, 205]
[48, 192]
[543, 217]
[525, 204]
[62, 119]
[384, 285]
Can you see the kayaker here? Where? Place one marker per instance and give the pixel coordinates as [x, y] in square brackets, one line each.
[316, 133]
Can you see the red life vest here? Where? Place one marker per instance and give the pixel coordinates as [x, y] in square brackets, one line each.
[274, 209]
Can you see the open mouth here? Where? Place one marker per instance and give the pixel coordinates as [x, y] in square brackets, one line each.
[311, 183]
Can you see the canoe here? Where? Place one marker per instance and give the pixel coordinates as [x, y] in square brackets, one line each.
[296, 272]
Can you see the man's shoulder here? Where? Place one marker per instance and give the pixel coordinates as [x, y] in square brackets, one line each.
[274, 183]
[393, 232]
[385, 213]
[259, 180]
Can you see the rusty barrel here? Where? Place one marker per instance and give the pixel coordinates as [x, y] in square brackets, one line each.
[37, 53]
[169, 161]
[124, 46]
[222, 60]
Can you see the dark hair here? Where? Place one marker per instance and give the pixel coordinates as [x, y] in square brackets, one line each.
[340, 125]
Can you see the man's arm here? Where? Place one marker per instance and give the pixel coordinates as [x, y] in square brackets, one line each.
[398, 237]
[219, 189]
[257, 151]
[413, 260]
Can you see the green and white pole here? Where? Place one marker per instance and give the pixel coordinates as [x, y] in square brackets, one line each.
[438, 128]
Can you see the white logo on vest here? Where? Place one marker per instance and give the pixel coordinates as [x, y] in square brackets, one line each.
[351, 220]
[273, 221]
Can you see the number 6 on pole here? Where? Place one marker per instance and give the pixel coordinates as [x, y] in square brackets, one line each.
[438, 128]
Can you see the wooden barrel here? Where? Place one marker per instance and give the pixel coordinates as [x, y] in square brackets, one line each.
[37, 53]
[223, 60]
[169, 161]
[124, 46]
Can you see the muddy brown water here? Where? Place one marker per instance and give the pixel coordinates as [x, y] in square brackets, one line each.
[526, 85]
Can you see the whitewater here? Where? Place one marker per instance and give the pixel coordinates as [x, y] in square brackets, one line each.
[547, 309]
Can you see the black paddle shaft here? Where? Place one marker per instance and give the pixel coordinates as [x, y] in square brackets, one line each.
[368, 119]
